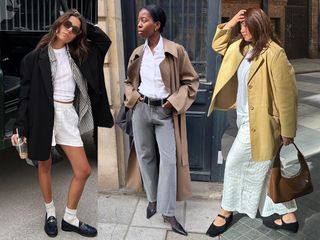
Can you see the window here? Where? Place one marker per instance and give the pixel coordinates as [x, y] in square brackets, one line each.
[38, 15]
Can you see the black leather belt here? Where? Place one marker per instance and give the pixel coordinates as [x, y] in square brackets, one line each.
[154, 102]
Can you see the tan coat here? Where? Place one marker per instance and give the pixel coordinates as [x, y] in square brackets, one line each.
[182, 82]
[272, 93]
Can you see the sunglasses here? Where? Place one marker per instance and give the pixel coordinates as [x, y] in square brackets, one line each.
[75, 30]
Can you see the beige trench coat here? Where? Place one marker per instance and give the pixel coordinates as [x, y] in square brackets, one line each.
[272, 93]
[182, 82]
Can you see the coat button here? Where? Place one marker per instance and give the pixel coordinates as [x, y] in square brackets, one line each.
[251, 108]
[250, 86]
[253, 129]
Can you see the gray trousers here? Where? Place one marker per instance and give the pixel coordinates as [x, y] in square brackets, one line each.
[154, 126]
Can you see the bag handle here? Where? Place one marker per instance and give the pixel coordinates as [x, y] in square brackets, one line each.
[302, 161]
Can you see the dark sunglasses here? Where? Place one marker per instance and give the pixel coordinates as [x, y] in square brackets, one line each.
[75, 30]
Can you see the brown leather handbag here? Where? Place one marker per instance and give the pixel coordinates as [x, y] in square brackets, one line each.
[283, 189]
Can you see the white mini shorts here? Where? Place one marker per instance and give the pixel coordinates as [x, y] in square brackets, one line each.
[65, 127]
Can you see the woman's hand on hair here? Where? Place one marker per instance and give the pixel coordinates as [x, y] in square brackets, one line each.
[286, 141]
[239, 17]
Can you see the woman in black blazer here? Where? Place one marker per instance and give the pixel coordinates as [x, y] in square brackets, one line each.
[63, 95]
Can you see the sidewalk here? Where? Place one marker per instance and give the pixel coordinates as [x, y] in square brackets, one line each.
[122, 216]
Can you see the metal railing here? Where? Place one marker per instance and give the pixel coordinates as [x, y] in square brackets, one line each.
[38, 15]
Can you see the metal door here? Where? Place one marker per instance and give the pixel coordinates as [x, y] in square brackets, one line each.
[296, 29]
[191, 23]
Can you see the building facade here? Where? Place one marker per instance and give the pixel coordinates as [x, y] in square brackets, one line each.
[296, 22]
[189, 23]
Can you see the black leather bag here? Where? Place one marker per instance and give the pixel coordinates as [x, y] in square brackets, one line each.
[124, 120]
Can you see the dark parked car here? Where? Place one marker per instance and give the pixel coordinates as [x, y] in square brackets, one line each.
[22, 23]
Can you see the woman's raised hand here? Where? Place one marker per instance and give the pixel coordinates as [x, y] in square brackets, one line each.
[239, 17]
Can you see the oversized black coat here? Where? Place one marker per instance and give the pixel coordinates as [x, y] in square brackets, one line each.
[35, 116]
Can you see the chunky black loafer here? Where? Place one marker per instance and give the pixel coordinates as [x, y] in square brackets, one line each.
[214, 230]
[292, 227]
[50, 226]
[83, 229]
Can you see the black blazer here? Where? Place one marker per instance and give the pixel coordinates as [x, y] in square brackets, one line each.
[35, 116]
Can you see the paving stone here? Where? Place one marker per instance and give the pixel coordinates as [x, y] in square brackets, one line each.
[273, 234]
[116, 208]
[263, 229]
[111, 231]
[243, 228]
[231, 234]
[200, 214]
[253, 234]
[139, 233]
[140, 220]
[191, 236]
[263, 237]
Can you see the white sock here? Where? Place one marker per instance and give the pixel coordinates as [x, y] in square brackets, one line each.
[50, 209]
[70, 216]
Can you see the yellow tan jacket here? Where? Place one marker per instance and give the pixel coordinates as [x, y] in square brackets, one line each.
[272, 93]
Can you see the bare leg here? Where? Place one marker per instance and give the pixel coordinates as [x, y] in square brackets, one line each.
[81, 172]
[44, 176]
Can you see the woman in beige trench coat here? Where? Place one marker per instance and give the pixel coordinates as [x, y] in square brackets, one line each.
[160, 87]
[257, 79]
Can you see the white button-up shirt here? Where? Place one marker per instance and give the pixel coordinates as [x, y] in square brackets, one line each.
[152, 84]
[243, 75]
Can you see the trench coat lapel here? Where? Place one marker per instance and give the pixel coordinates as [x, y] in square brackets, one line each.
[169, 48]
[165, 72]
[255, 66]
[234, 62]
[45, 69]
[134, 67]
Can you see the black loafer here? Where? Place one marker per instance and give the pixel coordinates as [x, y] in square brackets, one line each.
[292, 227]
[214, 230]
[151, 209]
[83, 229]
[50, 226]
[175, 225]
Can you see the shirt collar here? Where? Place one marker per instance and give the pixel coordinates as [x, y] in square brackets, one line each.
[159, 46]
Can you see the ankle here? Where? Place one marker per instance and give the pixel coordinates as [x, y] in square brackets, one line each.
[225, 213]
[70, 216]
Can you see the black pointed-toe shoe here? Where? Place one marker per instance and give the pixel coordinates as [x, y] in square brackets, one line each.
[175, 225]
[50, 226]
[292, 227]
[151, 209]
[83, 229]
[214, 230]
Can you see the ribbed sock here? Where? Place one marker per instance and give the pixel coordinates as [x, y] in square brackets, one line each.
[70, 216]
[50, 209]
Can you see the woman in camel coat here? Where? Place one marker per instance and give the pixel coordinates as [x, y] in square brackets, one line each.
[160, 87]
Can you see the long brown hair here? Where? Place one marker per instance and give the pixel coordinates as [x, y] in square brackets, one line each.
[259, 25]
[78, 48]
